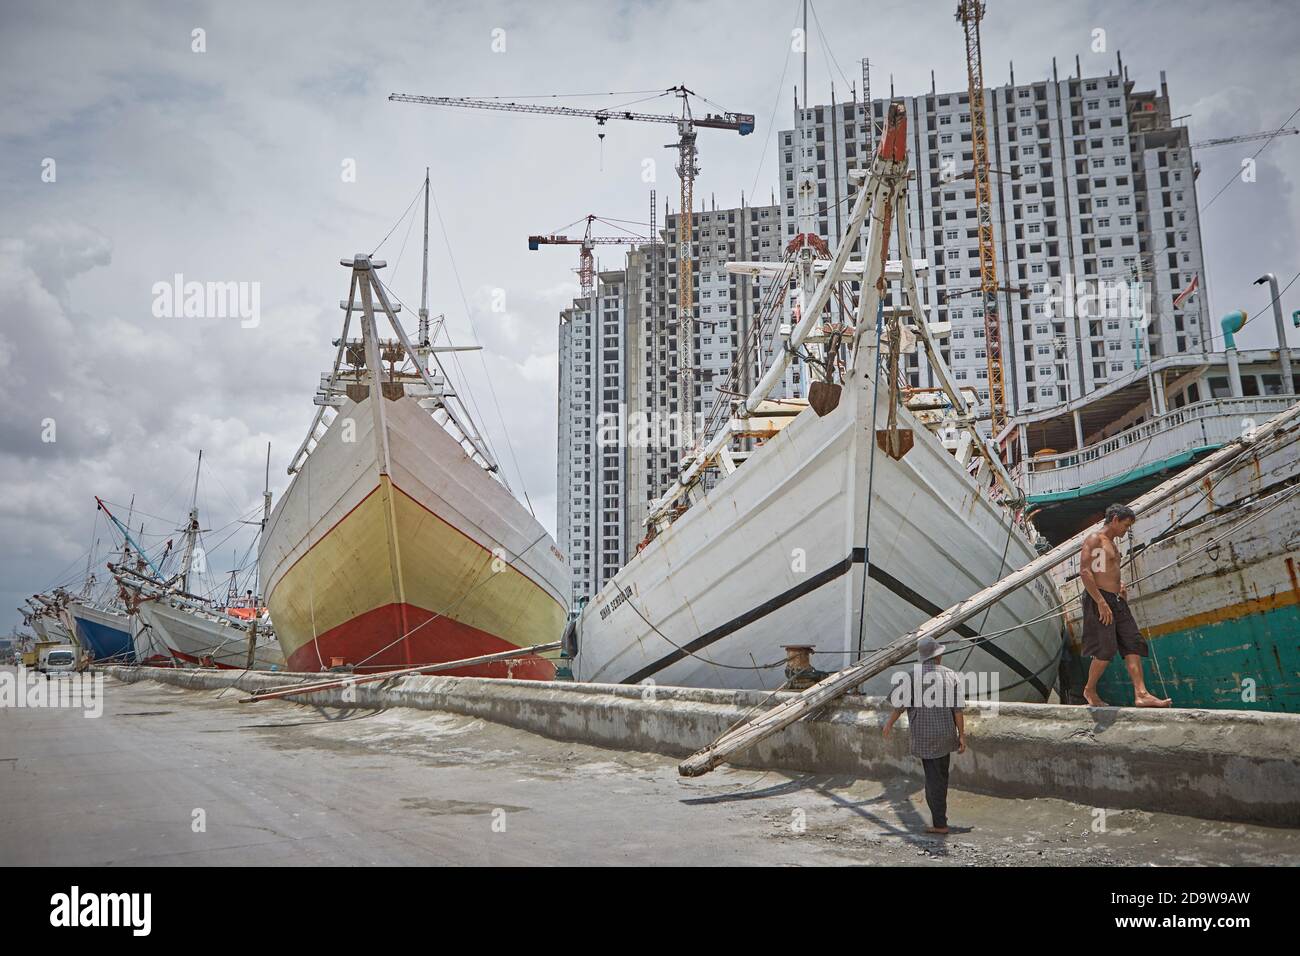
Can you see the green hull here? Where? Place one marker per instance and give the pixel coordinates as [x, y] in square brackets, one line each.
[1211, 665]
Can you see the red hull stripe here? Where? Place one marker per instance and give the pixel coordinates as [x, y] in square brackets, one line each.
[359, 641]
[191, 659]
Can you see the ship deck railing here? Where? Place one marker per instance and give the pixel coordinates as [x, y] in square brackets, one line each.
[1152, 445]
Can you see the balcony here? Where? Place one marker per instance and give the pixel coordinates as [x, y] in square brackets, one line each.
[1170, 441]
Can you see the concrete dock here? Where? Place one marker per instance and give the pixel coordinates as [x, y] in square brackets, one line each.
[286, 783]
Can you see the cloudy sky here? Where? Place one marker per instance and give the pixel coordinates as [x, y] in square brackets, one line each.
[230, 164]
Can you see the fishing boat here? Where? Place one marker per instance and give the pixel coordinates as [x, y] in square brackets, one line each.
[103, 630]
[1213, 577]
[398, 542]
[189, 630]
[88, 619]
[37, 618]
[864, 509]
[150, 648]
[177, 627]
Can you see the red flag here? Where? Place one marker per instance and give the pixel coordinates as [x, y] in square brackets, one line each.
[1186, 293]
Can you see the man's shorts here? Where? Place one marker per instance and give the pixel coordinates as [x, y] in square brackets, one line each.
[1101, 641]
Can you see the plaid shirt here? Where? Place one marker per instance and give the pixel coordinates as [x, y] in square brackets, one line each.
[931, 704]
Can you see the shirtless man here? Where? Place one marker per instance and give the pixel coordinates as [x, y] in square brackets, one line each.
[1108, 624]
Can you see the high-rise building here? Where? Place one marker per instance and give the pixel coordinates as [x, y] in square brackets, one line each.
[620, 406]
[1093, 190]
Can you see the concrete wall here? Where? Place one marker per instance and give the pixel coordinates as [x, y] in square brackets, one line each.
[1229, 765]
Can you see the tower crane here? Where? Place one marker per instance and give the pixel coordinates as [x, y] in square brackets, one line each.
[969, 14]
[687, 169]
[1245, 138]
[586, 242]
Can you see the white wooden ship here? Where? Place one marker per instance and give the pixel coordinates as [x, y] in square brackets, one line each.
[397, 543]
[752, 550]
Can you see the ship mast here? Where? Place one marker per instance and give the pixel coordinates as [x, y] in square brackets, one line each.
[261, 531]
[805, 283]
[360, 362]
[423, 339]
[191, 533]
[266, 490]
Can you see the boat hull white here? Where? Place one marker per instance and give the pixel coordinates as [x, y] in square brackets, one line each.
[195, 638]
[774, 555]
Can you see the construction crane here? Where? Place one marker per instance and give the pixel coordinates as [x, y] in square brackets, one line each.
[969, 15]
[586, 243]
[687, 169]
[1245, 138]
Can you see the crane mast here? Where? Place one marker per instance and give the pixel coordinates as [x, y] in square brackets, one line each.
[687, 169]
[969, 14]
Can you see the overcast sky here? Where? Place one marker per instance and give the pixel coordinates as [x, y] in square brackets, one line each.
[228, 165]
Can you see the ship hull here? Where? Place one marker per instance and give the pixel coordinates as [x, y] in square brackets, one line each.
[198, 639]
[775, 555]
[424, 561]
[149, 646]
[106, 634]
[1218, 601]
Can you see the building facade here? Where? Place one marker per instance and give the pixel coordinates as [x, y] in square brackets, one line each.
[1095, 220]
[620, 406]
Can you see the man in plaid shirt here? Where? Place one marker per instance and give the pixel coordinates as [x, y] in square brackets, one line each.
[933, 697]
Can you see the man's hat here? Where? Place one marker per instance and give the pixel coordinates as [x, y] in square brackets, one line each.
[928, 647]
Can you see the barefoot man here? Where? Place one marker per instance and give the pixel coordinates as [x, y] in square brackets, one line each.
[1108, 624]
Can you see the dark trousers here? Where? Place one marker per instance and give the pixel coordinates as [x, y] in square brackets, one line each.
[936, 788]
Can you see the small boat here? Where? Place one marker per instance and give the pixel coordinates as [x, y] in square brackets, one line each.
[176, 627]
[1213, 577]
[103, 630]
[46, 614]
[196, 632]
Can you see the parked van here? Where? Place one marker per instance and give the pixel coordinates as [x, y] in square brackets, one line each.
[58, 659]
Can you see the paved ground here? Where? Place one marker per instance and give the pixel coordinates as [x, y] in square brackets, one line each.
[289, 784]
